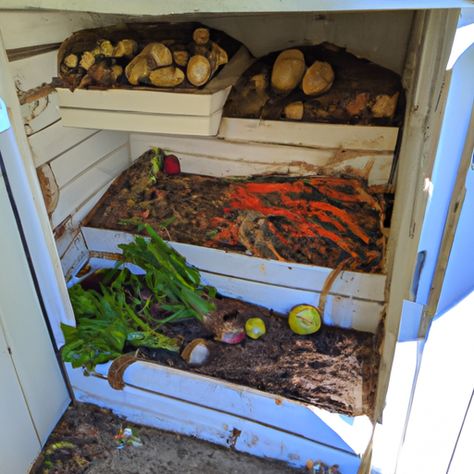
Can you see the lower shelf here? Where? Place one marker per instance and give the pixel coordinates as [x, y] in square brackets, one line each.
[247, 420]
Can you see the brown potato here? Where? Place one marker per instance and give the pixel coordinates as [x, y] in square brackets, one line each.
[181, 57]
[87, 60]
[294, 110]
[385, 105]
[105, 47]
[158, 55]
[137, 70]
[71, 61]
[168, 76]
[125, 47]
[201, 36]
[288, 69]
[318, 78]
[198, 71]
[217, 56]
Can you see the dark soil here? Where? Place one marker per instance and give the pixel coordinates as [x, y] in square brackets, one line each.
[84, 442]
[335, 368]
[357, 85]
[327, 221]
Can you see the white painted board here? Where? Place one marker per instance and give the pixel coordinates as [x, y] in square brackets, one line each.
[324, 135]
[218, 157]
[172, 414]
[350, 434]
[296, 275]
[54, 140]
[73, 195]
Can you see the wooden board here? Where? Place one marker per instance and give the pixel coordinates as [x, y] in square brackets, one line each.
[85, 154]
[144, 101]
[217, 157]
[175, 414]
[78, 191]
[299, 418]
[297, 276]
[191, 113]
[54, 140]
[349, 137]
[138, 122]
[280, 292]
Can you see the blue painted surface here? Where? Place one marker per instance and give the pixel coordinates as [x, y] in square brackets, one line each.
[451, 144]
[4, 120]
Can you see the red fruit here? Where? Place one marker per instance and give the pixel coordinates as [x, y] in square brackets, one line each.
[171, 165]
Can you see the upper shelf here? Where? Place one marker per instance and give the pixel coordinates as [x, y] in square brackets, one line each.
[180, 7]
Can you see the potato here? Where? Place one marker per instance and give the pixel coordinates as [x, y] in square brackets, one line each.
[198, 71]
[294, 110]
[201, 36]
[181, 57]
[71, 61]
[125, 47]
[87, 60]
[137, 70]
[288, 70]
[168, 76]
[318, 78]
[385, 105]
[158, 55]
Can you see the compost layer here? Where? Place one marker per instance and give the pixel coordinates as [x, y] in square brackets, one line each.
[335, 368]
[319, 220]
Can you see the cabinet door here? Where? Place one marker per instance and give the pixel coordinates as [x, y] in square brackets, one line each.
[19, 443]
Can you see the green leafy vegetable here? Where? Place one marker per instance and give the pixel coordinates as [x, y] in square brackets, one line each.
[124, 310]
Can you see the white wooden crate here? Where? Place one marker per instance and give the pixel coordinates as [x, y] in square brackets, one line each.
[356, 300]
[212, 410]
[196, 112]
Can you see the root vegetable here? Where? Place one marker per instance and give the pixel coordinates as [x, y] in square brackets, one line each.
[288, 70]
[125, 47]
[87, 60]
[198, 71]
[201, 36]
[169, 76]
[117, 71]
[217, 57]
[318, 78]
[71, 61]
[385, 105]
[152, 56]
[181, 57]
[294, 111]
[196, 353]
[105, 47]
[137, 70]
[259, 82]
[158, 55]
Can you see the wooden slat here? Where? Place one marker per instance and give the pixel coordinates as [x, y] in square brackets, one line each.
[174, 414]
[143, 101]
[350, 137]
[340, 311]
[303, 277]
[138, 122]
[77, 192]
[274, 410]
[74, 161]
[49, 143]
[216, 157]
[21, 29]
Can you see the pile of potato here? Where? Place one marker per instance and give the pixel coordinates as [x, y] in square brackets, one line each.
[290, 71]
[162, 64]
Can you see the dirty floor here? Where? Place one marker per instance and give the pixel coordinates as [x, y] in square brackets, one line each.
[85, 441]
